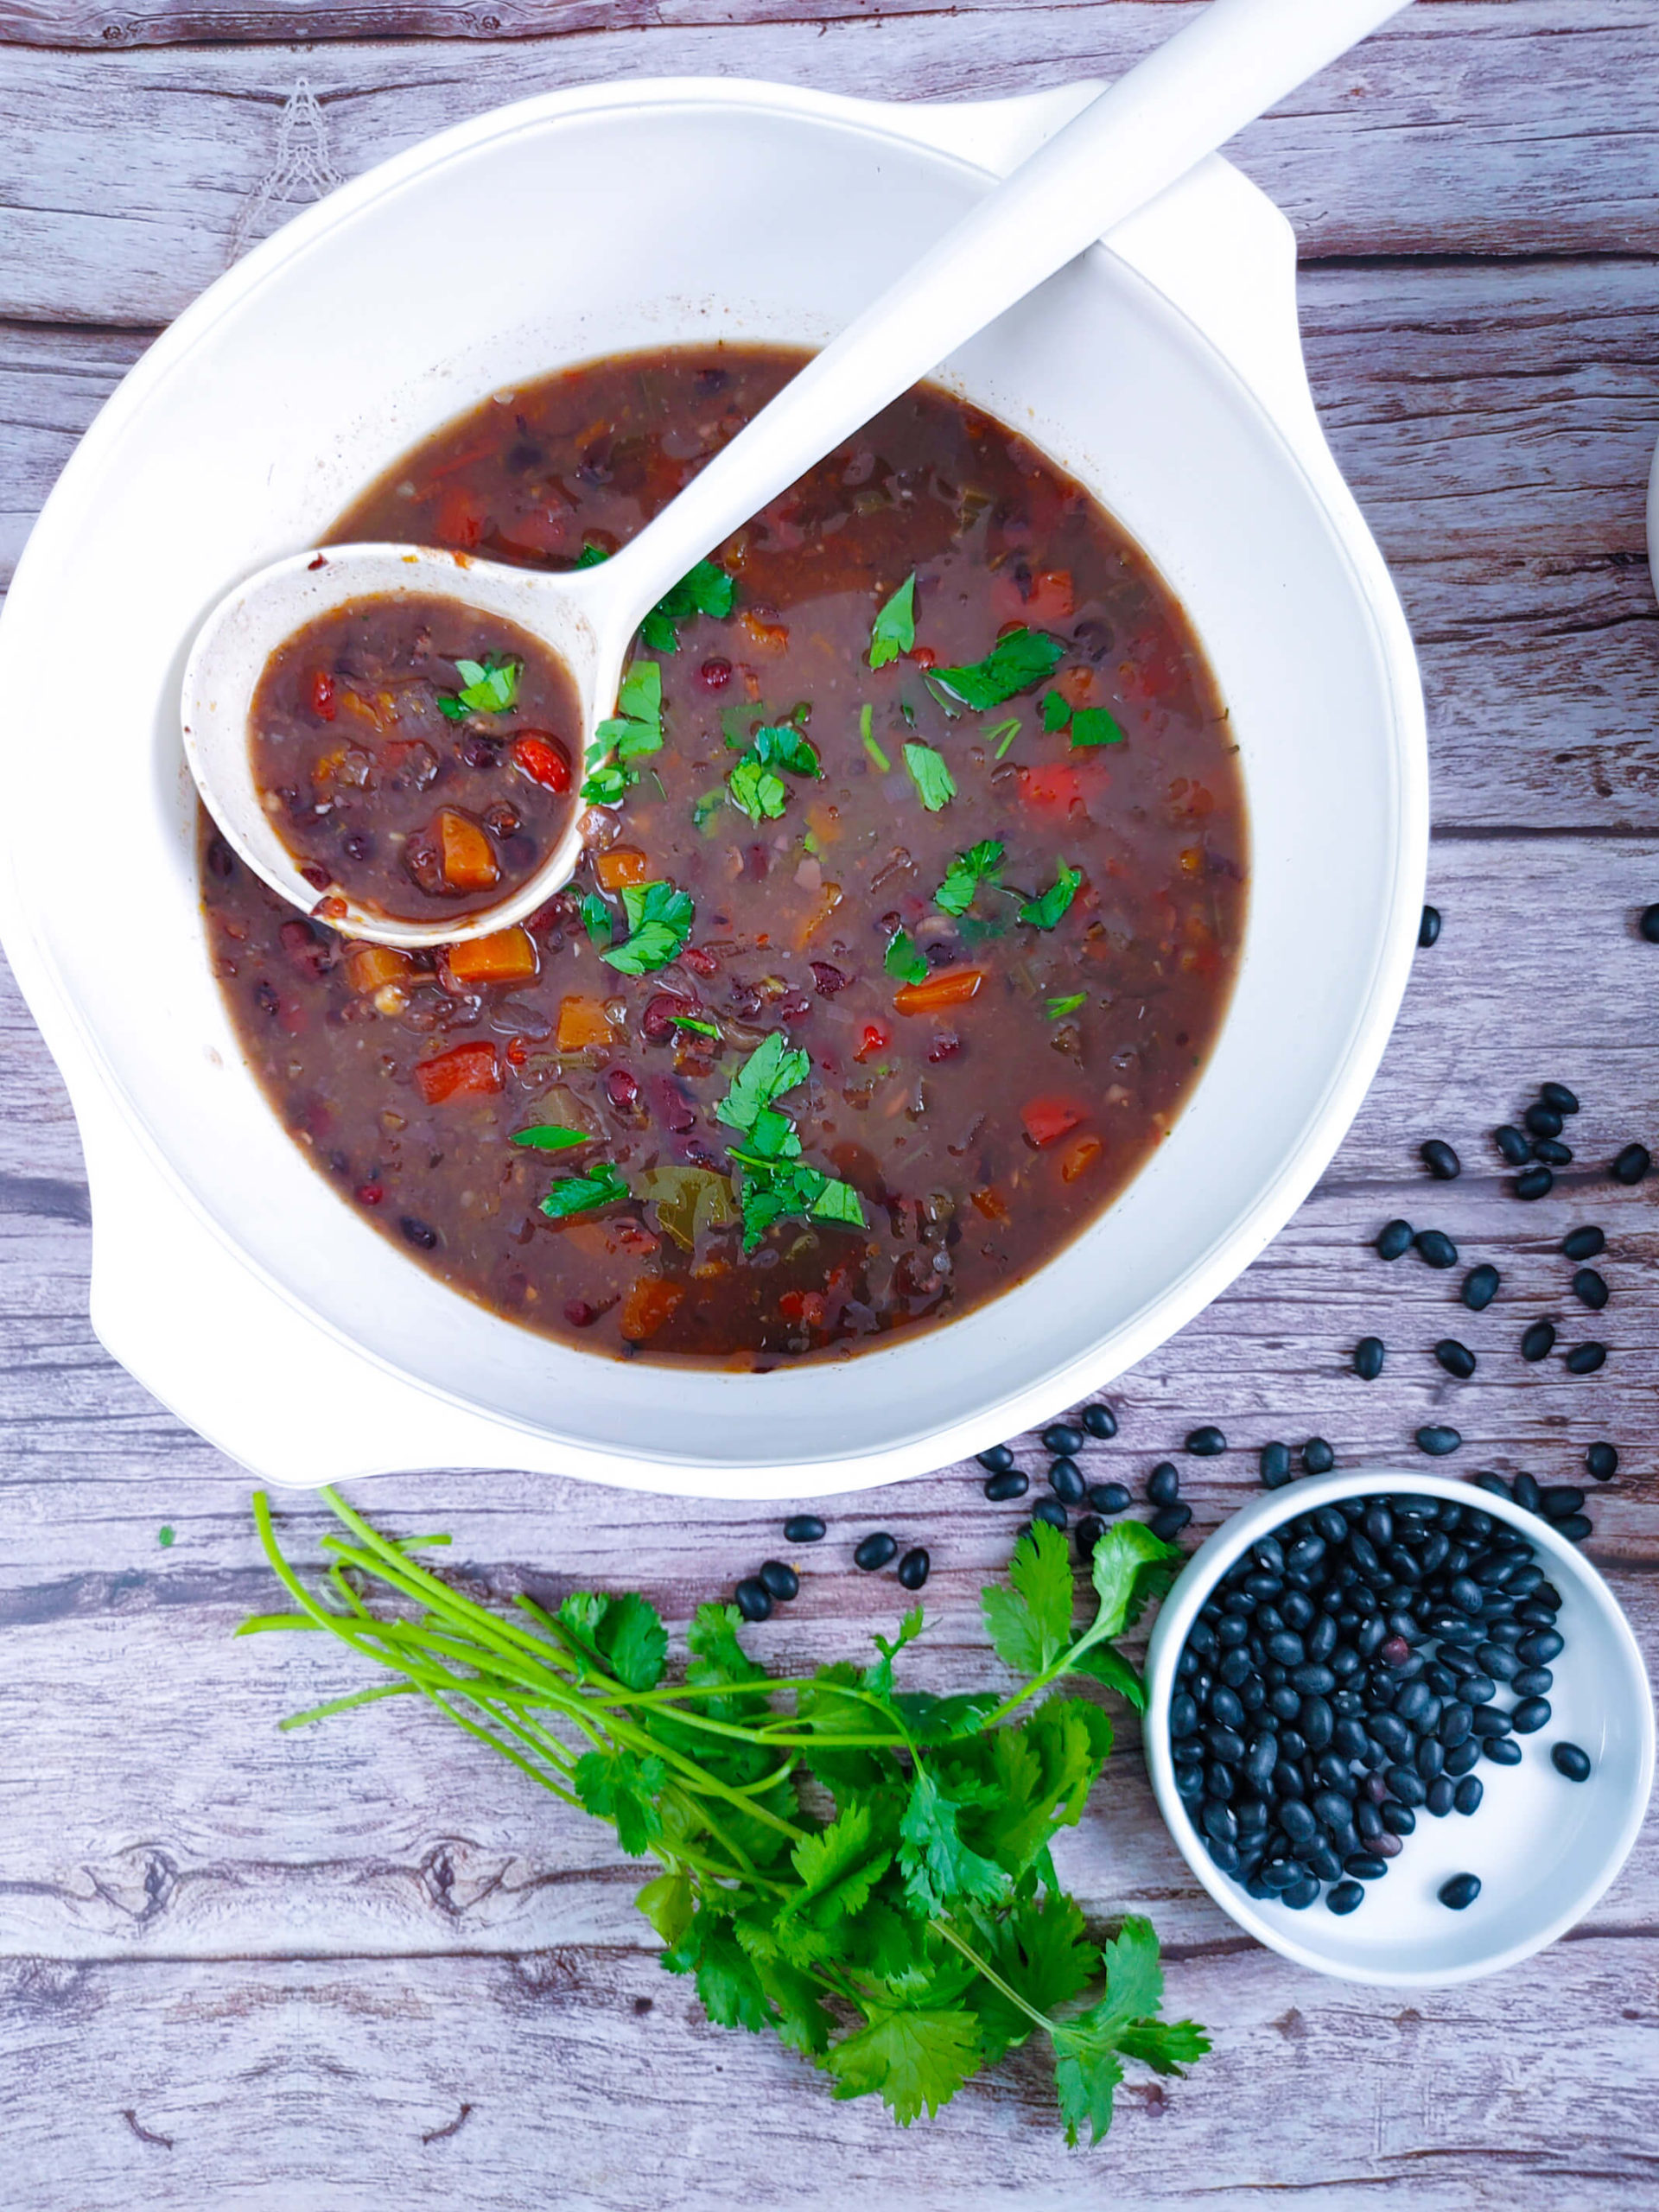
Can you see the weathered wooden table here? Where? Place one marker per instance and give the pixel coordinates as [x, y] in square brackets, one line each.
[363, 1965]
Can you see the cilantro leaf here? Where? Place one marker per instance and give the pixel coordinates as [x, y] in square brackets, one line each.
[1045, 911]
[667, 1905]
[1042, 1952]
[935, 785]
[707, 589]
[894, 630]
[728, 1985]
[635, 730]
[1129, 1567]
[1086, 2073]
[620, 1636]
[1057, 710]
[915, 2062]
[597, 919]
[623, 1789]
[939, 1867]
[866, 720]
[1096, 725]
[838, 1202]
[839, 1867]
[608, 785]
[1088, 2045]
[980, 863]
[780, 744]
[1014, 663]
[591, 555]
[902, 959]
[1031, 1624]
[488, 687]
[756, 790]
[878, 1678]
[770, 1069]
[571, 1194]
[549, 1136]
[771, 1192]
[1164, 2045]
[660, 921]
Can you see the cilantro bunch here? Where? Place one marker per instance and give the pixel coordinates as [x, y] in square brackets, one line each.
[863, 1871]
[776, 1183]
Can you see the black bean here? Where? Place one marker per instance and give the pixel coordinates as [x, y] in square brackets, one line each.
[1550, 1152]
[1478, 1689]
[1301, 1894]
[1512, 1143]
[1346, 1895]
[1538, 1650]
[1317, 1724]
[1046, 1508]
[1298, 1823]
[1398, 1818]
[1631, 1164]
[1538, 1341]
[1575, 1527]
[1233, 1630]
[1542, 1120]
[1557, 1095]
[1065, 1480]
[1584, 1244]
[1169, 1521]
[1560, 1499]
[1429, 1757]
[754, 1598]
[1268, 1552]
[779, 1579]
[1589, 1289]
[1368, 1355]
[1437, 1441]
[874, 1550]
[1183, 1715]
[419, 1234]
[803, 1528]
[1393, 1239]
[1647, 922]
[1569, 1759]
[1490, 1721]
[997, 1460]
[1461, 1892]
[1163, 1484]
[1010, 1483]
[1479, 1287]
[1456, 1359]
[1391, 1731]
[1206, 1443]
[1442, 1796]
[1602, 1461]
[1535, 1183]
[1495, 1484]
[1087, 1535]
[1366, 1865]
[1436, 1248]
[1585, 1359]
[913, 1569]
[1533, 1681]
[1061, 1439]
[1428, 928]
[1100, 1420]
[1318, 1456]
[1225, 1856]
[1440, 1160]
[1503, 1751]
[1274, 1464]
[1406, 1786]
[1332, 1810]
[1218, 1821]
[1108, 1498]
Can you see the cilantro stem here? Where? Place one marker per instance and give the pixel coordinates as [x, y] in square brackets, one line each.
[984, 1966]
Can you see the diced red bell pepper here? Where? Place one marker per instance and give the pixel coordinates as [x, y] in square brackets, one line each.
[1047, 1120]
[876, 1038]
[539, 755]
[319, 696]
[1056, 784]
[464, 1071]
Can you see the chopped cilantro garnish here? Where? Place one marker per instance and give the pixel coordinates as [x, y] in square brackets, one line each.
[895, 631]
[707, 590]
[780, 744]
[935, 784]
[591, 555]
[1059, 1008]
[979, 864]
[1004, 733]
[1014, 664]
[597, 919]
[757, 790]
[773, 1193]
[866, 717]
[903, 960]
[1057, 711]
[488, 687]
[775, 1181]
[660, 921]
[1045, 910]
[636, 729]
[771, 1069]
[1096, 725]
[600, 1186]
[690, 1022]
[755, 784]
[704, 810]
[549, 1136]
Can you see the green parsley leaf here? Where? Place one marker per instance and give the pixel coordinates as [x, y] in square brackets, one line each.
[902, 959]
[756, 790]
[1003, 735]
[1031, 1624]
[622, 1788]
[1043, 911]
[548, 1136]
[690, 1022]
[591, 555]
[706, 590]
[770, 1069]
[597, 919]
[488, 687]
[608, 785]
[895, 631]
[571, 1194]
[1014, 663]
[866, 720]
[1059, 1008]
[1130, 1567]
[780, 744]
[660, 921]
[1057, 711]
[980, 863]
[915, 2062]
[935, 785]
[1095, 725]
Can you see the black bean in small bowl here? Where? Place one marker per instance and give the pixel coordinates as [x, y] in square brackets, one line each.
[1542, 1836]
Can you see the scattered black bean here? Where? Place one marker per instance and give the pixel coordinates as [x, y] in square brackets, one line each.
[754, 1598]
[1585, 1359]
[1456, 1359]
[1647, 922]
[1393, 1239]
[874, 1550]
[1569, 1759]
[1050, 1509]
[1318, 1456]
[1011, 1483]
[1347, 1895]
[1602, 1461]
[1206, 1443]
[1550, 1152]
[1440, 1160]
[1163, 1484]
[1437, 1441]
[1428, 929]
[1065, 1480]
[1538, 1341]
[1436, 1248]
[803, 1528]
[1274, 1464]
[1169, 1521]
[779, 1580]
[1368, 1355]
[1560, 1500]
[1512, 1144]
[1557, 1095]
[1108, 1498]
[1503, 1751]
[1589, 1289]
[1536, 1183]
[1530, 1715]
[1479, 1287]
[1526, 1492]
[1542, 1120]
[997, 1460]
[913, 1569]
[1585, 1243]
[1099, 1420]
[1087, 1533]
[1461, 1892]
[1631, 1164]
[1062, 1439]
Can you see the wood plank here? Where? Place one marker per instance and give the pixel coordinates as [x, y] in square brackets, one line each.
[124, 176]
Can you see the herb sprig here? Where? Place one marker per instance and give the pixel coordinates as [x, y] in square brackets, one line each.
[1014, 663]
[902, 1926]
[776, 1183]
[488, 687]
[635, 730]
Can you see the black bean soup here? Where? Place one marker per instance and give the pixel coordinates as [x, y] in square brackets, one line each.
[914, 894]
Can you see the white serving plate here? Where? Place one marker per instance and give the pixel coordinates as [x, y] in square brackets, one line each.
[1166, 372]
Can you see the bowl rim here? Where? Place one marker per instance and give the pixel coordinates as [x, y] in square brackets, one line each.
[1193, 1589]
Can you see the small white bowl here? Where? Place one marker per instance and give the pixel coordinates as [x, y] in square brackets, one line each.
[1545, 1848]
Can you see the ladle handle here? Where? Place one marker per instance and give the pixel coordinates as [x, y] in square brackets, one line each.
[1143, 133]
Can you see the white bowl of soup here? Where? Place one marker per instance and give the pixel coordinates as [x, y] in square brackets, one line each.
[1042, 1102]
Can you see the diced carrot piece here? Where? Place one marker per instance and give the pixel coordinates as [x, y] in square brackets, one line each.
[765, 637]
[989, 1203]
[1047, 1120]
[583, 1025]
[468, 856]
[371, 966]
[464, 1071]
[1055, 784]
[827, 899]
[650, 1302]
[623, 864]
[1079, 1157]
[952, 987]
[824, 822]
[504, 956]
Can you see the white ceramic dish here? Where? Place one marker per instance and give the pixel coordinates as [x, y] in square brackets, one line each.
[1166, 372]
[1545, 1848]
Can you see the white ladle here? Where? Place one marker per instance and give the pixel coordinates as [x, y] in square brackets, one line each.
[1140, 136]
